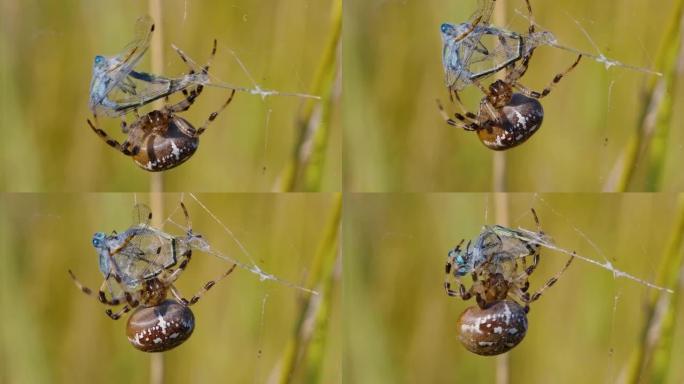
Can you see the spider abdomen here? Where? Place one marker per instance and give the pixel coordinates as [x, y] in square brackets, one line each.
[518, 121]
[161, 327]
[169, 143]
[493, 330]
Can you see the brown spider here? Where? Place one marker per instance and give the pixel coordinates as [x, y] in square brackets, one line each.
[161, 140]
[506, 118]
[500, 276]
[157, 324]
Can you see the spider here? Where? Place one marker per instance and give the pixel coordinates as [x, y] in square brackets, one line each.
[506, 118]
[500, 276]
[161, 140]
[137, 280]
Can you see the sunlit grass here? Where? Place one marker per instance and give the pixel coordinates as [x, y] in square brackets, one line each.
[393, 73]
[400, 325]
[46, 67]
[54, 333]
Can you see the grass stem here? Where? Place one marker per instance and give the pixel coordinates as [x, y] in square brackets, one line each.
[305, 169]
[304, 353]
[652, 355]
[157, 178]
[649, 141]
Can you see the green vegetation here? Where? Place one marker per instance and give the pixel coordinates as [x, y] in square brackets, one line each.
[48, 50]
[393, 74]
[51, 332]
[400, 326]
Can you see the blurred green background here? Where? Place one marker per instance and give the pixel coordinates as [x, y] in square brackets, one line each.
[395, 139]
[52, 333]
[400, 326]
[46, 62]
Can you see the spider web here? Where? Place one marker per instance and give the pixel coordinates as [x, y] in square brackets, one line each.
[546, 37]
[244, 260]
[213, 81]
[534, 238]
[616, 368]
[203, 245]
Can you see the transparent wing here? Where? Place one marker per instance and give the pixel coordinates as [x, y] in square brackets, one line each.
[123, 63]
[454, 72]
[141, 88]
[488, 241]
[483, 13]
[142, 215]
[457, 52]
[493, 51]
[145, 256]
[135, 249]
[482, 53]
[512, 241]
[109, 72]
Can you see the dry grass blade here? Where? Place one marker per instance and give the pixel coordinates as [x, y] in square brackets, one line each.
[157, 178]
[503, 367]
[649, 141]
[304, 171]
[653, 354]
[303, 355]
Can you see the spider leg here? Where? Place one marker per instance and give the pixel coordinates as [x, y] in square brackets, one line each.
[207, 287]
[114, 273]
[449, 291]
[213, 115]
[464, 111]
[535, 262]
[461, 292]
[466, 33]
[205, 69]
[535, 296]
[114, 301]
[127, 295]
[465, 121]
[536, 220]
[188, 223]
[185, 104]
[531, 17]
[447, 275]
[102, 298]
[123, 148]
[489, 108]
[513, 72]
[538, 95]
[187, 256]
[124, 125]
[192, 95]
[518, 294]
[117, 315]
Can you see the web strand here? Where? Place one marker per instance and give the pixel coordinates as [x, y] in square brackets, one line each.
[211, 80]
[201, 244]
[545, 37]
[534, 238]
